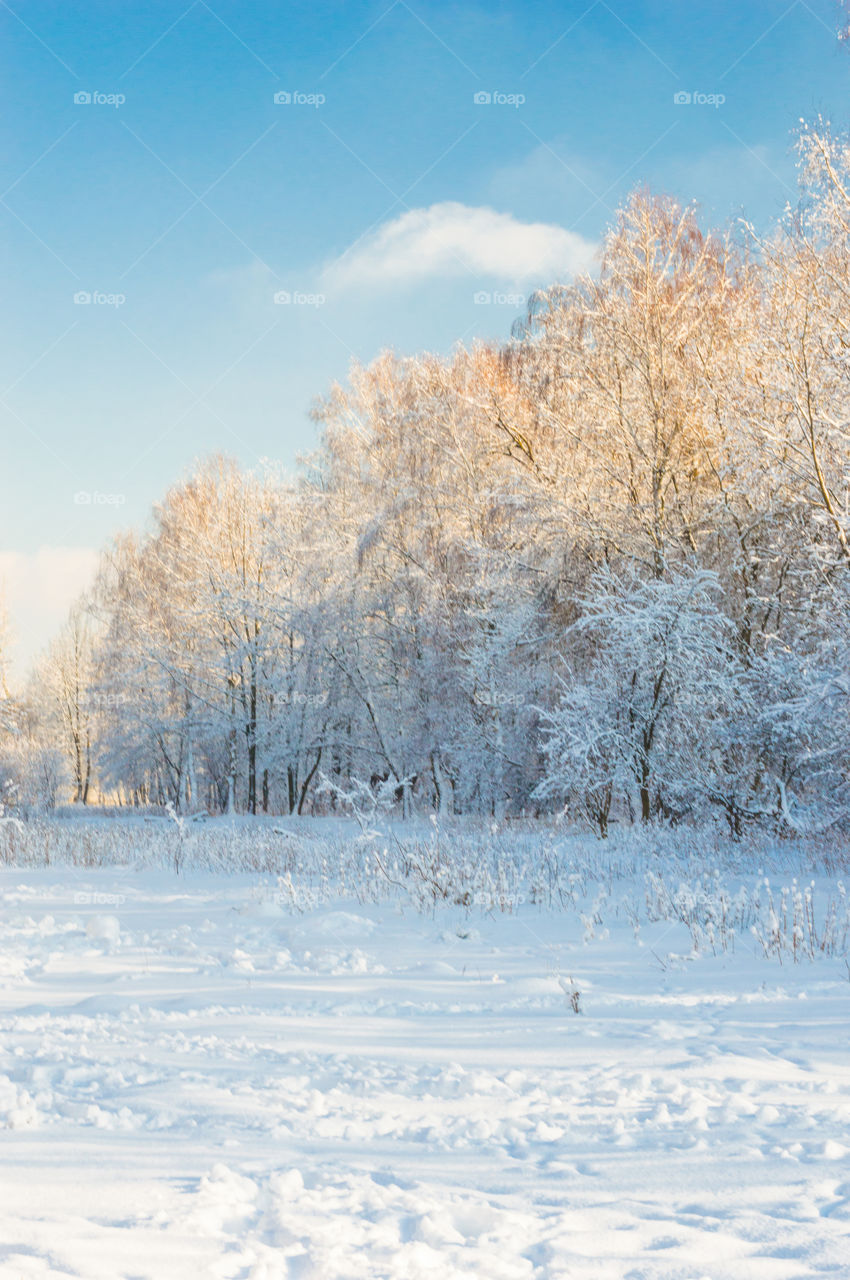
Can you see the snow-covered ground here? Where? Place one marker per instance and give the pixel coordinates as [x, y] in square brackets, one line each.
[198, 1080]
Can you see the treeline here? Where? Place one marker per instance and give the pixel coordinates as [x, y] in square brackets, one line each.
[604, 565]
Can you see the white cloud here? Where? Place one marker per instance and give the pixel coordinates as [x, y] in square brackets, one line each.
[38, 589]
[452, 239]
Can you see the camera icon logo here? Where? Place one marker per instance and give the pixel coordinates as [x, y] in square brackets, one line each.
[283, 297]
[682, 98]
[82, 298]
[82, 499]
[82, 98]
[282, 98]
[482, 298]
[482, 98]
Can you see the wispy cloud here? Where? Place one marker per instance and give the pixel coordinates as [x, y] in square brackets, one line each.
[452, 239]
[38, 589]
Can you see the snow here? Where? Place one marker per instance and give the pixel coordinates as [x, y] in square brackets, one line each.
[106, 927]
[195, 1080]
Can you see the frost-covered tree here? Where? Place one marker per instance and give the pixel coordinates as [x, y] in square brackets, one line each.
[627, 526]
[63, 695]
[641, 716]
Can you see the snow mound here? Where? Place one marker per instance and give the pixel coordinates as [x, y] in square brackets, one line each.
[336, 924]
[104, 929]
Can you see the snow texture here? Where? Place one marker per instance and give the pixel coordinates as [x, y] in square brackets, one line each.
[197, 1081]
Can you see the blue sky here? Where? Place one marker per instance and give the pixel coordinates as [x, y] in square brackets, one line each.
[382, 198]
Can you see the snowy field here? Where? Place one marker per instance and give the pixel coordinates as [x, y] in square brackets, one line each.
[242, 1075]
